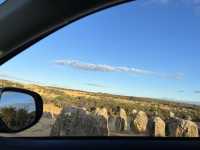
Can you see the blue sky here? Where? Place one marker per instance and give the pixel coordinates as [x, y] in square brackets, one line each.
[1, 1]
[17, 100]
[144, 48]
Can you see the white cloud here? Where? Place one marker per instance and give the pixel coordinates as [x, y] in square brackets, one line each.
[197, 92]
[160, 1]
[186, 2]
[96, 85]
[120, 69]
[193, 4]
[180, 91]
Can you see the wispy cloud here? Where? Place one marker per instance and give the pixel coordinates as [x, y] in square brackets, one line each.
[160, 1]
[19, 79]
[190, 2]
[180, 91]
[96, 85]
[197, 91]
[120, 69]
[193, 4]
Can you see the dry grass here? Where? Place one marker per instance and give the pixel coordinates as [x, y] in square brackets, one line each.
[52, 108]
[55, 98]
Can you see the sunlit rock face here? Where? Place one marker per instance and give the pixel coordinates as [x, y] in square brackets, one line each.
[139, 122]
[102, 118]
[156, 127]
[75, 121]
[121, 120]
[102, 112]
[177, 127]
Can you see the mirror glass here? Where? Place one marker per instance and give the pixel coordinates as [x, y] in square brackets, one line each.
[2, 1]
[17, 110]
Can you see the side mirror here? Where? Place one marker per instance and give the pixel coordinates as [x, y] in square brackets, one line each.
[19, 109]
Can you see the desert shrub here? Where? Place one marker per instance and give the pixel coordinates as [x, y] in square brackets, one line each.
[16, 118]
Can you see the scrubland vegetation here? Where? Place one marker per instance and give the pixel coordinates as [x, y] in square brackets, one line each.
[61, 97]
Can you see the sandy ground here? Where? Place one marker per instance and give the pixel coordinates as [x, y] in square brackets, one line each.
[43, 128]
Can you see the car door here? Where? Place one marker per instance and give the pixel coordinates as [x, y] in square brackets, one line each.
[127, 71]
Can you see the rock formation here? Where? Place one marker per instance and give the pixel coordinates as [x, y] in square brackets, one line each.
[121, 120]
[75, 121]
[177, 127]
[139, 122]
[156, 127]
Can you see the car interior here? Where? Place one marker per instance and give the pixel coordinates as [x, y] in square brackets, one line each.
[27, 22]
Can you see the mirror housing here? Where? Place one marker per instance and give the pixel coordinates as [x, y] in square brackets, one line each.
[20, 109]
